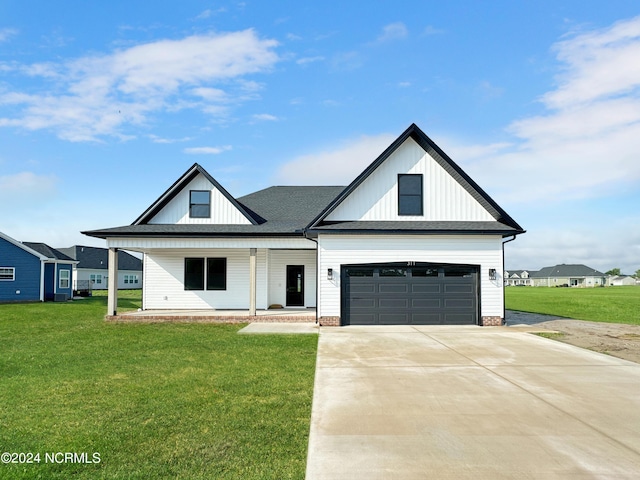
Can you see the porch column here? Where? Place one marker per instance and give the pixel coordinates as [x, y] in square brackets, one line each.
[252, 281]
[112, 299]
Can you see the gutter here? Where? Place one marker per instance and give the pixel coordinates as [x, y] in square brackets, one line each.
[504, 304]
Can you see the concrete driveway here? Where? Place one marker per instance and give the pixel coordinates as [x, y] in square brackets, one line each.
[470, 403]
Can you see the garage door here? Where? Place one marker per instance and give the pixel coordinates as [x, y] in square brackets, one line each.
[417, 294]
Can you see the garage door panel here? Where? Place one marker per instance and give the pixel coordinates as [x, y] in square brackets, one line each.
[393, 288]
[428, 289]
[393, 303]
[397, 318]
[426, 303]
[456, 288]
[393, 295]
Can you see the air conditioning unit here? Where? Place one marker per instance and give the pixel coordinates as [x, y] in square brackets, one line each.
[61, 297]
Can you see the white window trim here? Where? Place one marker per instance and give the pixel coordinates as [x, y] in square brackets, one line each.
[13, 274]
[63, 279]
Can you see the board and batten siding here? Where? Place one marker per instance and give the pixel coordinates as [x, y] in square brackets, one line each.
[278, 261]
[164, 280]
[222, 210]
[151, 244]
[444, 199]
[337, 250]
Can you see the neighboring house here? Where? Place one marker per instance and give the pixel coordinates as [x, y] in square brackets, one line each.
[517, 278]
[33, 272]
[412, 240]
[91, 272]
[620, 280]
[568, 276]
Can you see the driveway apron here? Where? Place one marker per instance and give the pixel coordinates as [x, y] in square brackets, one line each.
[470, 403]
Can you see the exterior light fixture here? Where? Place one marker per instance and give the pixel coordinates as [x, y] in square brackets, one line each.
[492, 274]
[330, 274]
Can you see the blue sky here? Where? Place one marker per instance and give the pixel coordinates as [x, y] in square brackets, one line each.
[103, 105]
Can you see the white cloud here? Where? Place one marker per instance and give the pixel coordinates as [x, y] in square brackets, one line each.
[393, 31]
[308, 60]
[207, 150]
[7, 33]
[26, 188]
[586, 144]
[97, 96]
[338, 166]
[157, 139]
[264, 117]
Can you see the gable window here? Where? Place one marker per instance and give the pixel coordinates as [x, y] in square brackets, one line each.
[410, 194]
[64, 279]
[199, 204]
[7, 274]
[196, 276]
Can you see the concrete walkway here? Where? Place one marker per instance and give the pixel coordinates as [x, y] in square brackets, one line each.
[470, 403]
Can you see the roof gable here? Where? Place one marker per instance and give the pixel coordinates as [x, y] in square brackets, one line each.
[48, 252]
[173, 205]
[366, 199]
[22, 246]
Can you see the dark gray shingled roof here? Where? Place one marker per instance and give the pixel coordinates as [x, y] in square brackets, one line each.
[294, 211]
[47, 251]
[575, 270]
[98, 258]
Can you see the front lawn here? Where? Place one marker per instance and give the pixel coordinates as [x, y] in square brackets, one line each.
[180, 401]
[609, 304]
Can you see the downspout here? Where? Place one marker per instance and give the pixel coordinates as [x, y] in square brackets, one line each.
[304, 232]
[504, 303]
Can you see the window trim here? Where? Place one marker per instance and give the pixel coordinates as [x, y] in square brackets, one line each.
[192, 204]
[62, 279]
[11, 271]
[421, 195]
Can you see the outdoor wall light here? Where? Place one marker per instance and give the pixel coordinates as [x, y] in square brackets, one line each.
[492, 274]
[330, 274]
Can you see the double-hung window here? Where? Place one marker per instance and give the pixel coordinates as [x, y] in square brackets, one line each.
[7, 274]
[65, 275]
[205, 272]
[410, 194]
[199, 204]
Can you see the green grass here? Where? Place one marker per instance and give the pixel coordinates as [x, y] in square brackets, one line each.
[610, 304]
[180, 401]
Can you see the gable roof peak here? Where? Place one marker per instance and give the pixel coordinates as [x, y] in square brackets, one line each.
[195, 170]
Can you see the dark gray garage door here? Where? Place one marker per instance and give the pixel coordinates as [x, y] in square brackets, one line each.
[416, 294]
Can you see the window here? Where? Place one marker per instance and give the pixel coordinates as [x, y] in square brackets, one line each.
[130, 279]
[199, 204]
[196, 276]
[7, 274]
[64, 279]
[216, 273]
[409, 194]
[96, 278]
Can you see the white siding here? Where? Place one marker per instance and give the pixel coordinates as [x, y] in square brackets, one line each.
[84, 274]
[338, 250]
[377, 197]
[222, 210]
[150, 244]
[164, 280]
[278, 261]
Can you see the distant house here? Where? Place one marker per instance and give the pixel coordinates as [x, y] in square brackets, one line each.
[91, 272]
[621, 280]
[517, 278]
[33, 272]
[568, 276]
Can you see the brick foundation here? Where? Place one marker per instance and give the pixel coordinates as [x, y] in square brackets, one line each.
[491, 321]
[329, 321]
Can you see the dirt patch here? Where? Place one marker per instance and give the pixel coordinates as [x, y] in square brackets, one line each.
[619, 340]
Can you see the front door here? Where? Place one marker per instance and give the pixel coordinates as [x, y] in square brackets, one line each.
[295, 285]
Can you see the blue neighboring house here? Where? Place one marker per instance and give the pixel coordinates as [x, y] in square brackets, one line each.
[32, 271]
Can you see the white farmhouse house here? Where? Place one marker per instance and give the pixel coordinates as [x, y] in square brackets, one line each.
[412, 240]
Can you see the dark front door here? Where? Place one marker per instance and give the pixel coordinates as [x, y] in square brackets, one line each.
[295, 285]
